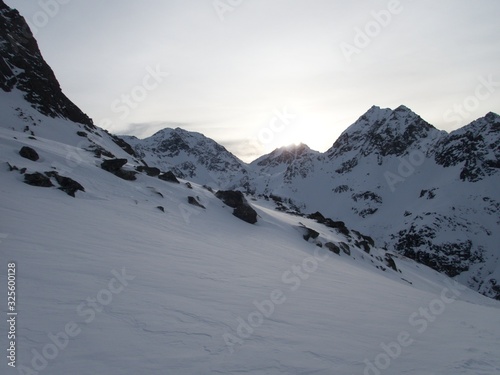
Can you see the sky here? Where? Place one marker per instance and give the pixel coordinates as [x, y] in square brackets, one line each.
[255, 75]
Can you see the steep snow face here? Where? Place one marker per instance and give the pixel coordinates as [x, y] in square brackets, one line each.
[191, 155]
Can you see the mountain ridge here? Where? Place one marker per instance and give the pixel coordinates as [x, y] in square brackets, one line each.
[422, 192]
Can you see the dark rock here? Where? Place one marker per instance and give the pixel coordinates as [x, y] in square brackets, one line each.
[345, 248]
[339, 225]
[189, 186]
[245, 213]
[332, 247]
[367, 196]
[310, 233]
[66, 184]
[28, 153]
[236, 200]
[169, 176]
[363, 245]
[341, 189]
[23, 68]
[389, 261]
[122, 144]
[100, 152]
[113, 165]
[12, 167]
[231, 198]
[208, 188]
[37, 179]
[126, 175]
[161, 208]
[317, 216]
[81, 134]
[150, 171]
[194, 202]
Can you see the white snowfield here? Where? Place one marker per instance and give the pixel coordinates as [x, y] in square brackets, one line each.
[108, 284]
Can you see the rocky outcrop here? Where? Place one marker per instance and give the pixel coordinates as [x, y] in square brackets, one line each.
[37, 179]
[169, 177]
[23, 67]
[29, 153]
[115, 166]
[236, 200]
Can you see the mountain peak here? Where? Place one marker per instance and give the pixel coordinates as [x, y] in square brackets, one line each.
[384, 132]
[403, 108]
[492, 116]
[23, 68]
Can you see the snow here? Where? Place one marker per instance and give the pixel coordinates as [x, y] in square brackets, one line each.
[192, 276]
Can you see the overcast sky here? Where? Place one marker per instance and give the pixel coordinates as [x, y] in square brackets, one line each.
[258, 74]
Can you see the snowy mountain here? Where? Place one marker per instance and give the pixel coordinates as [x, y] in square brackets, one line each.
[191, 155]
[419, 191]
[424, 193]
[121, 267]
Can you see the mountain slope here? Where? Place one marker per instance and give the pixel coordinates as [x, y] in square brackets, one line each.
[191, 155]
[189, 290]
[420, 191]
[22, 67]
[122, 271]
[415, 189]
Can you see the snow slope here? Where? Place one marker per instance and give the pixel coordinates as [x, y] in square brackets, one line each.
[192, 283]
[427, 194]
[127, 277]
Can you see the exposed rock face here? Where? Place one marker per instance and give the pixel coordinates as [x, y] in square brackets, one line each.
[169, 177]
[246, 213]
[113, 165]
[192, 156]
[150, 171]
[37, 179]
[332, 247]
[231, 198]
[236, 200]
[23, 67]
[66, 184]
[29, 153]
[310, 233]
[194, 202]
[475, 147]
